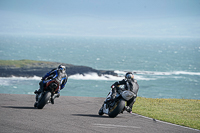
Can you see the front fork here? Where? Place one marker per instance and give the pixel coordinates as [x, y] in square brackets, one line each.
[105, 108]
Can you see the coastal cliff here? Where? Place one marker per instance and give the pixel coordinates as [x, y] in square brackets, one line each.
[30, 68]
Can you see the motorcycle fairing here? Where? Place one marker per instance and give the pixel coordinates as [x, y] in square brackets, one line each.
[53, 81]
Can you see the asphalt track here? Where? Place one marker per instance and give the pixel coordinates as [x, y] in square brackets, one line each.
[73, 115]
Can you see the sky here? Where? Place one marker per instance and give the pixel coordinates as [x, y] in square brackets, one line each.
[142, 18]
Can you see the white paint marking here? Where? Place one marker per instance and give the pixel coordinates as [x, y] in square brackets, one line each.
[165, 122]
[113, 126]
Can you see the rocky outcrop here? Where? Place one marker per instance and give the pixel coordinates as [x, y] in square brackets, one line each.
[41, 68]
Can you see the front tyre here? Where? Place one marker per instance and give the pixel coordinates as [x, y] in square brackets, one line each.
[43, 101]
[117, 108]
[35, 104]
[101, 111]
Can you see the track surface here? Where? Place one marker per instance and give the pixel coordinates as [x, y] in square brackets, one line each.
[73, 115]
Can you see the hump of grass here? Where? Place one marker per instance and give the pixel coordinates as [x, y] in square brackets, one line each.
[27, 63]
[185, 112]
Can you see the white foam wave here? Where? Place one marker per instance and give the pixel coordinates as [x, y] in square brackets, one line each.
[120, 73]
[186, 73]
[21, 78]
[139, 75]
[136, 76]
[94, 76]
[6, 81]
[164, 73]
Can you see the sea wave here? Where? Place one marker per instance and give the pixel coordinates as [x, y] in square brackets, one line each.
[6, 81]
[95, 76]
[86, 76]
[161, 73]
[139, 75]
[21, 78]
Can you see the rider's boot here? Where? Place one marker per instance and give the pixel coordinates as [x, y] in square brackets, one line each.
[54, 96]
[128, 109]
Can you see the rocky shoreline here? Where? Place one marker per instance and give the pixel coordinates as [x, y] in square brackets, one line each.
[41, 68]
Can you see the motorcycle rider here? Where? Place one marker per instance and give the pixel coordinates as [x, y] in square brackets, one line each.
[58, 74]
[129, 84]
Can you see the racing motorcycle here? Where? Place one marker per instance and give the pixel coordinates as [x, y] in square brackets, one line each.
[117, 106]
[45, 96]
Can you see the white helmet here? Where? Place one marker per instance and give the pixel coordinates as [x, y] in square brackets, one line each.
[61, 67]
[129, 76]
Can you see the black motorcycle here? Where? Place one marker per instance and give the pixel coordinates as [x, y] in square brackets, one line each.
[44, 97]
[115, 107]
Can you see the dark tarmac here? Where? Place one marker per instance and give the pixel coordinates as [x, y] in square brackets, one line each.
[73, 115]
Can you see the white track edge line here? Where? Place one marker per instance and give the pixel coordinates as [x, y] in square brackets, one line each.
[164, 122]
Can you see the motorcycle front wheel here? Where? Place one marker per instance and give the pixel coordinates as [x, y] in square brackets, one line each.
[117, 108]
[101, 111]
[43, 101]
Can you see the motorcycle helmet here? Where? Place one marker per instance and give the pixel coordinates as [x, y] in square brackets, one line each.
[62, 68]
[129, 76]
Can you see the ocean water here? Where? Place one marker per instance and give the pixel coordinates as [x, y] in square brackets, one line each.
[163, 67]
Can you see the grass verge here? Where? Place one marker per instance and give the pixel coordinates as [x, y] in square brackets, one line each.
[27, 63]
[184, 112]
[18, 63]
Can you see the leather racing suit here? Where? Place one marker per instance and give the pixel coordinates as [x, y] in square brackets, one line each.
[55, 74]
[130, 85]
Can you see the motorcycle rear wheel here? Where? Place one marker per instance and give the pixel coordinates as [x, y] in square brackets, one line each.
[44, 100]
[118, 107]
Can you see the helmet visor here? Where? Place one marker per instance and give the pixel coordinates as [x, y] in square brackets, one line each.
[129, 76]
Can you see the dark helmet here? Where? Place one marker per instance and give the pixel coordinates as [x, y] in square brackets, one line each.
[129, 76]
[62, 68]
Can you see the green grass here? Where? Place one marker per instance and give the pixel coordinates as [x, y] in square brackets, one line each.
[17, 63]
[30, 63]
[24, 63]
[185, 112]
